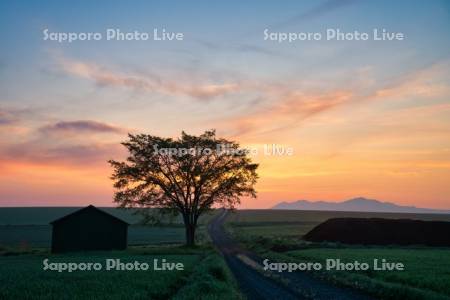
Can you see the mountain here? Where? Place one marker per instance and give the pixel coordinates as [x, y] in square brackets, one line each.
[355, 204]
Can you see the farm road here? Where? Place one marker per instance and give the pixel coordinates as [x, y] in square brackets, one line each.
[255, 285]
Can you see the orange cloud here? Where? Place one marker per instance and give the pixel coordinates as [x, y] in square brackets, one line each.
[288, 107]
[286, 112]
[425, 83]
[377, 152]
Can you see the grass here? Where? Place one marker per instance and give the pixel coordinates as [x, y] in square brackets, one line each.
[277, 235]
[288, 230]
[205, 276]
[23, 277]
[210, 280]
[273, 234]
[426, 270]
[24, 246]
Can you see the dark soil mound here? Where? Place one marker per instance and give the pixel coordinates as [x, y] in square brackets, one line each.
[377, 231]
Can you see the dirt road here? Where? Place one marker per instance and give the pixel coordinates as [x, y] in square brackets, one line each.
[256, 284]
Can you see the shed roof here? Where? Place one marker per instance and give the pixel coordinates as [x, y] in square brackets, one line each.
[84, 209]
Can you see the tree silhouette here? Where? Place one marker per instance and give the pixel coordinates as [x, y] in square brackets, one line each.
[188, 175]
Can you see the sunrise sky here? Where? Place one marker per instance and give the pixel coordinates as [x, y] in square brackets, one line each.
[365, 118]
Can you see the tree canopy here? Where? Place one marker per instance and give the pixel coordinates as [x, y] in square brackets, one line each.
[188, 175]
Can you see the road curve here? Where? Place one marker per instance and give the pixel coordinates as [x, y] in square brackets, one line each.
[255, 285]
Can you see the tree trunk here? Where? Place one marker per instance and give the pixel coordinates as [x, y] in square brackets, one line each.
[190, 234]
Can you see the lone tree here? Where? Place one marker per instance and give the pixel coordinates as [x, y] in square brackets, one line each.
[188, 175]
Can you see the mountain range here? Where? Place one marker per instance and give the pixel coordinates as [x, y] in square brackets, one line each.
[356, 204]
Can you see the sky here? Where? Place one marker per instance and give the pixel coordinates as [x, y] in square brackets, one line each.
[364, 118]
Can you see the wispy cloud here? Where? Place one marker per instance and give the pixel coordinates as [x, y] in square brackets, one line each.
[281, 106]
[287, 112]
[106, 77]
[81, 126]
[288, 107]
[315, 12]
[429, 82]
[6, 118]
[75, 143]
[79, 155]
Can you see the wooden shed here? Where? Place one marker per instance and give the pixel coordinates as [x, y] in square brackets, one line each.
[88, 229]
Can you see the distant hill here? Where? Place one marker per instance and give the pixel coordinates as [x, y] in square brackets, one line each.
[356, 204]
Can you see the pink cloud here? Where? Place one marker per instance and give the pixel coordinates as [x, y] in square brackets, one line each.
[81, 126]
[103, 76]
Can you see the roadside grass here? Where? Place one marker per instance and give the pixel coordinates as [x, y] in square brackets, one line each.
[272, 230]
[426, 276]
[277, 237]
[210, 280]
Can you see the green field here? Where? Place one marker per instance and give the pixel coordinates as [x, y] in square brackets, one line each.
[277, 235]
[252, 217]
[426, 269]
[29, 227]
[274, 234]
[25, 238]
[23, 277]
[40, 235]
[45, 215]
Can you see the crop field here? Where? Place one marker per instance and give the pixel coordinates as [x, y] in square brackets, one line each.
[277, 235]
[253, 217]
[293, 224]
[427, 269]
[23, 276]
[45, 215]
[29, 227]
[273, 234]
[40, 235]
[25, 238]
